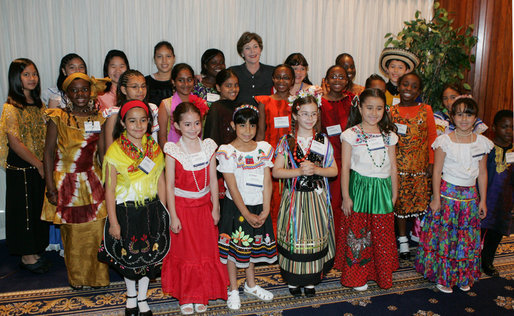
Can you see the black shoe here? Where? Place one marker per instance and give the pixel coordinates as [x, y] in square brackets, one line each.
[405, 255]
[40, 267]
[77, 288]
[309, 291]
[490, 270]
[132, 311]
[295, 291]
[148, 312]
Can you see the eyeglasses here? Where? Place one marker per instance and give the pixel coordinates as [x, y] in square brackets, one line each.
[282, 78]
[341, 77]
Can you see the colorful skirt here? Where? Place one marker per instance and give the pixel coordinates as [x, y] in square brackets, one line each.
[367, 247]
[449, 247]
[413, 194]
[239, 242]
[305, 240]
[145, 240]
[192, 271]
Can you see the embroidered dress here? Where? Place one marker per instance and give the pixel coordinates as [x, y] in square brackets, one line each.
[239, 241]
[305, 228]
[144, 221]
[333, 114]
[445, 126]
[274, 109]
[192, 271]
[413, 154]
[366, 249]
[80, 198]
[449, 247]
[24, 188]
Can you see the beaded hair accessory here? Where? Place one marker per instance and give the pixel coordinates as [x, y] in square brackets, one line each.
[464, 96]
[356, 102]
[245, 106]
[311, 91]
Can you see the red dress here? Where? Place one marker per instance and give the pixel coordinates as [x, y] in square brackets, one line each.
[192, 271]
[334, 113]
[274, 108]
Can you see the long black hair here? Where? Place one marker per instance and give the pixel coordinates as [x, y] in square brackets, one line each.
[62, 69]
[118, 128]
[124, 78]
[16, 95]
[110, 55]
[297, 59]
[385, 124]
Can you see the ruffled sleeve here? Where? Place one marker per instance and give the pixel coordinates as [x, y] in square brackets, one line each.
[265, 153]
[226, 156]
[485, 143]
[442, 142]
[392, 139]
[349, 136]
[210, 147]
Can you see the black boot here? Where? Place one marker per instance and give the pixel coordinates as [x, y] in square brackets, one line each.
[491, 241]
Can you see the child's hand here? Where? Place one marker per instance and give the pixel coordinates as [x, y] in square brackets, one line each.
[253, 220]
[347, 206]
[51, 195]
[216, 215]
[115, 230]
[482, 210]
[176, 225]
[435, 205]
[307, 168]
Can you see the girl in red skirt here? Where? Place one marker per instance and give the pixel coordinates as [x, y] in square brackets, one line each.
[366, 246]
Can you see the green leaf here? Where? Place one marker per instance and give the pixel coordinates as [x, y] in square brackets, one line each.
[460, 75]
[436, 5]
[417, 14]
[466, 86]
[387, 35]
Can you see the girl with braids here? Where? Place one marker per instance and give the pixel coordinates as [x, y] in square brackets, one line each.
[131, 86]
[75, 194]
[56, 96]
[305, 228]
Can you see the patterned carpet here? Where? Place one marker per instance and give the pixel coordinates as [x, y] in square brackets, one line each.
[410, 295]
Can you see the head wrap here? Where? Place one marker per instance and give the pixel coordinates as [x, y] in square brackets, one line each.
[97, 85]
[130, 105]
[393, 53]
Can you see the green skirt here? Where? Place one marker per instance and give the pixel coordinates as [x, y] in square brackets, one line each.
[370, 195]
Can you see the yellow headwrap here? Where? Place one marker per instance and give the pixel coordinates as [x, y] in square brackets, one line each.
[97, 85]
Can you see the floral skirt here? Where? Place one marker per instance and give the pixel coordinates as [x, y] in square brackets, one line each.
[239, 242]
[145, 240]
[449, 247]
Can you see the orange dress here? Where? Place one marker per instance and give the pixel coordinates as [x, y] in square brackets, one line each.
[413, 155]
[272, 109]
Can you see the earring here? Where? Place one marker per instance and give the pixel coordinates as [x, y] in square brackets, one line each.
[69, 105]
[91, 105]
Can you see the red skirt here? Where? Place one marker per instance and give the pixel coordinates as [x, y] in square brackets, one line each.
[367, 249]
[192, 271]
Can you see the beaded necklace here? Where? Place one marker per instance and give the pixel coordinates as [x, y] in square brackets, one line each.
[366, 137]
[183, 145]
[308, 148]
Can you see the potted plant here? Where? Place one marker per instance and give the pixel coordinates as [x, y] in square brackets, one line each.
[444, 51]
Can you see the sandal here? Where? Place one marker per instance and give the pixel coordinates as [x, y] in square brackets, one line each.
[465, 288]
[259, 292]
[200, 308]
[187, 309]
[233, 300]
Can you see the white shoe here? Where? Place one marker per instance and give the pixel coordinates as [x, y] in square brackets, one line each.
[233, 300]
[361, 288]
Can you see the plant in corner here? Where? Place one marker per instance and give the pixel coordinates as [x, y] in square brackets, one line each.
[444, 52]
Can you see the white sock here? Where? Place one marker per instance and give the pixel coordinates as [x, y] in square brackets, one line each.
[404, 243]
[309, 286]
[143, 289]
[131, 292]
[292, 286]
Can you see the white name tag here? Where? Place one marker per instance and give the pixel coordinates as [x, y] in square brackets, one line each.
[318, 147]
[396, 101]
[281, 121]
[198, 159]
[402, 128]
[146, 165]
[375, 143]
[212, 97]
[92, 127]
[509, 157]
[334, 130]
[476, 151]
[254, 180]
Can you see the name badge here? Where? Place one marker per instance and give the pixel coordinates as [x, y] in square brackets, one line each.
[402, 128]
[254, 180]
[146, 165]
[375, 143]
[198, 159]
[281, 121]
[212, 97]
[92, 127]
[334, 130]
[476, 151]
[396, 101]
[318, 147]
[509, 157]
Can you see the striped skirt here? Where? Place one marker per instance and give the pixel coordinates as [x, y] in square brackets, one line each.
[305, 237]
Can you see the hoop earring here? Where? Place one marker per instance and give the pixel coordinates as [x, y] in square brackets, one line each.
[91, 105]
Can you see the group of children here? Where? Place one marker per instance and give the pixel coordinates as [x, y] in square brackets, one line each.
[313, 177]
